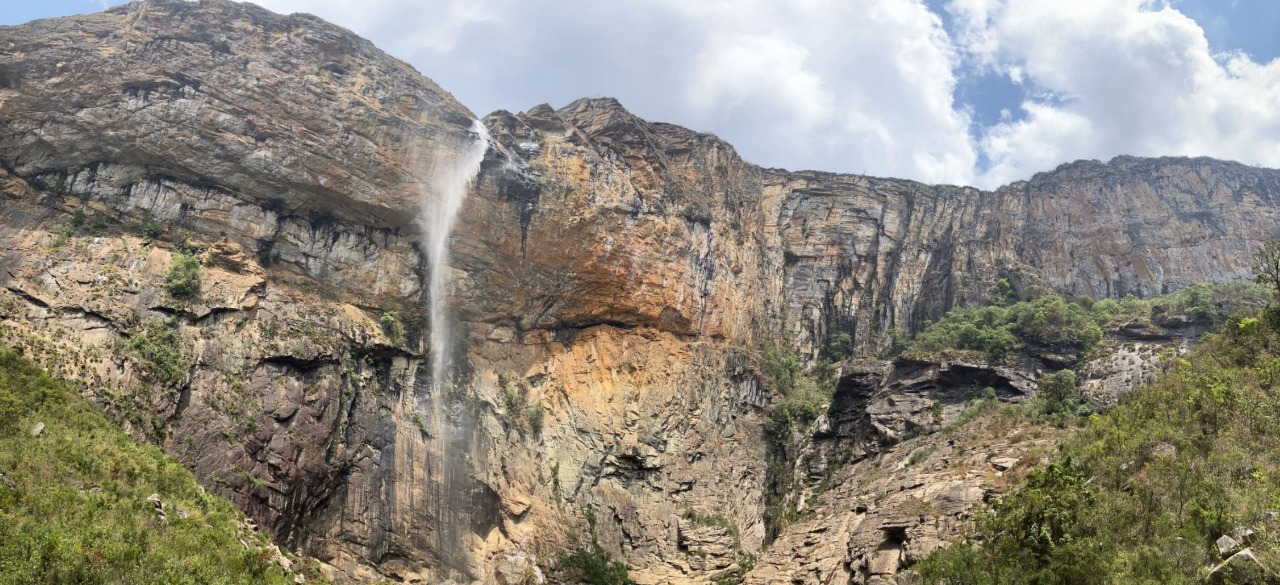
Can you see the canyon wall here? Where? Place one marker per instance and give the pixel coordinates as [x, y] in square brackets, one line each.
[614, 279]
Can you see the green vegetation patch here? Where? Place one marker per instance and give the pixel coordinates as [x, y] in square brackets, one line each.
[1141, 493]
[182, 280]
[592, 564]
[525, 416]
[74, 500]
[158, 347]
[802, 398]
[998, 332]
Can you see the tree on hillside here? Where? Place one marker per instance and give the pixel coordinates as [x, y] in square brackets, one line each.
[1266, 266]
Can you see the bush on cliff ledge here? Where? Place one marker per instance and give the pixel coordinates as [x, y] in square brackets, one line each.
[182, 280]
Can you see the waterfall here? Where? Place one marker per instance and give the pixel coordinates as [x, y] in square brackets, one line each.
[447, 183]
[447, 188]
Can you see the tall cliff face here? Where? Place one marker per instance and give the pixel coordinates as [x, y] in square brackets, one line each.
[615, 275]
[810, 254]
[281, 133]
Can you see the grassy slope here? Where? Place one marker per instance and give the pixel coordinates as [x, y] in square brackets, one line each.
[73, 501]
[1140, 494]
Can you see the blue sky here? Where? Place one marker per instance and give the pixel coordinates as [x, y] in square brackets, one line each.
[1252, 26]
[977, 92]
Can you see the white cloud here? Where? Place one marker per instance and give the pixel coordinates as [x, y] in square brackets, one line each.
[734, 68]
[865, 86]
[856, 85]
[851, 85]
[1124, 77]
[398, 26]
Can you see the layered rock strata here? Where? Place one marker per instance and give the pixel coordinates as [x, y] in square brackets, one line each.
[614, 279]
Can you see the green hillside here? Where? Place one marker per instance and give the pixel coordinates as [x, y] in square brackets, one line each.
[1143, 493]
[78, 500]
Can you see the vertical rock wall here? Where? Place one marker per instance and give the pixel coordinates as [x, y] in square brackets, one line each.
[615, 275]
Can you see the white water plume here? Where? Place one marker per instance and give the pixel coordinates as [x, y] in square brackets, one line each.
[446, 190]
[449, 172]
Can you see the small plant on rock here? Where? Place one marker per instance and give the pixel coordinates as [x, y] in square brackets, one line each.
[390, 323]
[182, 280]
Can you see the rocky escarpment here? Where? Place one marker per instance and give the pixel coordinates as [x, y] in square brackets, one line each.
[614, 278]
[865, 255]
[288, 389]
[910, 448]
[289, 135]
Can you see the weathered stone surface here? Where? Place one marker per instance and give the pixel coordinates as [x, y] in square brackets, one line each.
[884, 512]
[1243, 534]
[1003, 463]
[286, 133]
[620, 272]
[1242, 567]
[1227, 546]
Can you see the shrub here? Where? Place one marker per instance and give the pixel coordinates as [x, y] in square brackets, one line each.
[533, 417]
[182, 280]
[515, 404]
[1266, 267]
[898, 343]
[514, 395]
[801, 407]
[1004, 293]
[839, 346]
[1041, 534]
[800, 401]
[1052, 321]
[987, 330]
[592, 564]
[1211, 304]
[158, 347]
[1057, 394]
[151, 229]
[1141, 493]
[780, 367]
[390, 323]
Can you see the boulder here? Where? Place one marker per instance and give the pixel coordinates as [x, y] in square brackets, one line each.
[1227, 546]
[1242, 567]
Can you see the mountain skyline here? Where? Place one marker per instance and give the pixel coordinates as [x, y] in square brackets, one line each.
[969, 92]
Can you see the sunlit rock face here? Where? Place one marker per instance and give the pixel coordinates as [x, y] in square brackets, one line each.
[670, 228]
[616, 275]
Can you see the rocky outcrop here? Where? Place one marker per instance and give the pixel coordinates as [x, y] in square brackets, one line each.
[286, 134]
[871, 514]
[834, 253]
[612, 278]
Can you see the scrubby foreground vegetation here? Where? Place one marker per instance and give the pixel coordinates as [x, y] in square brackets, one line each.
[82, 503]
[1145, 492]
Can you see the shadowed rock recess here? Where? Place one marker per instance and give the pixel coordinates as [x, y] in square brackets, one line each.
[612, 281]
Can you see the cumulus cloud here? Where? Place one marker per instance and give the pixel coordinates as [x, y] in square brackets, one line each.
[846, 85]
[851, 85]
[1111, 77]
[865, 86]
[735, 67]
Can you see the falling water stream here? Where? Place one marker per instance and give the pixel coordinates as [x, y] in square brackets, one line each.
[447, 188]
[447, 184]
